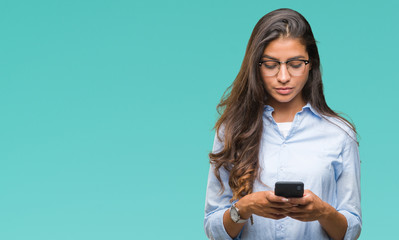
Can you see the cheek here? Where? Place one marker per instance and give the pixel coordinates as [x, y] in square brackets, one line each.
[267, 82]
[304, 79]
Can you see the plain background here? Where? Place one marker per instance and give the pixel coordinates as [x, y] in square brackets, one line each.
[107, 109]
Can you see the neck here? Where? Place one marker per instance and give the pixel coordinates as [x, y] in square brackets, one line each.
[285, 112]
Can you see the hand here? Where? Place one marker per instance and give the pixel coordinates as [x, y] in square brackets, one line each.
[307, 208]
[264, 204]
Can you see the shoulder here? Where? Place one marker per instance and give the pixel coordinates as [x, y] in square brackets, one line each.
[334, 124]
[341, 127]
[218, 142]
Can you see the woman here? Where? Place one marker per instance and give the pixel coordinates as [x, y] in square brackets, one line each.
[276, 126]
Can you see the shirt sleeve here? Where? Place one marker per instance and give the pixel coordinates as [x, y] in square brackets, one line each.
[217, 202]
[348, 189]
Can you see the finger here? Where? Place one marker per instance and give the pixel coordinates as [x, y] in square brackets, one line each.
[271, 215]
[297, 215]
[298, 218]
[276, 216]
[271, 210]
[307, 193]
[279, 216]
[297, 210]
[280, 205]
[300, 201]
[279, 210]
[273, 198]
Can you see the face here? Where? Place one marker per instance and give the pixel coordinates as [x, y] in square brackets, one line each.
[283, 88]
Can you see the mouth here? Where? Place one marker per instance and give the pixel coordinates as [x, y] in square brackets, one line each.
[284, 90]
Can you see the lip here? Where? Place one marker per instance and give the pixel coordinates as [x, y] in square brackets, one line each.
[284, 90]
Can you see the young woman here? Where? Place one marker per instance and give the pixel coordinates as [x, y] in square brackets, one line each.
[276, 126]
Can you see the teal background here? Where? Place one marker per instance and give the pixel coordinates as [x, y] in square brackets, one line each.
[107, 109]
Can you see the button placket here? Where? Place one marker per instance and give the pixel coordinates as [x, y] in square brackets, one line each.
[280, 231]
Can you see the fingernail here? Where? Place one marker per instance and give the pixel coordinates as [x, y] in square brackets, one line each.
[285, 200]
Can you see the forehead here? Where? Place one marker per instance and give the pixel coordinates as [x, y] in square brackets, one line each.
[284, 48]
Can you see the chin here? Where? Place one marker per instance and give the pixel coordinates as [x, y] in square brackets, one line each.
[284, 99]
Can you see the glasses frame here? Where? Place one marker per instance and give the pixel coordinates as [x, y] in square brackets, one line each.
[279, 64]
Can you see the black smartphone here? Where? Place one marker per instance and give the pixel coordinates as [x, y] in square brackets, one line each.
[289, 189]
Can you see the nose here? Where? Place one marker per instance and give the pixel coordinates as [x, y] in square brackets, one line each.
[283, 75]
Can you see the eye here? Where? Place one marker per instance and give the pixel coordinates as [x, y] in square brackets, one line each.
[270, 64]
[295, 64]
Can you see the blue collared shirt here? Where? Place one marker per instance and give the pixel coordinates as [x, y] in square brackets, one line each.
[320, 151]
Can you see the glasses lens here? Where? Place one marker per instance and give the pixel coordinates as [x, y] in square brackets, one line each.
[271, 67]
[296, 68]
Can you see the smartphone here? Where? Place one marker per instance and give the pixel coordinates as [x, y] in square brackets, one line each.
[289, 189]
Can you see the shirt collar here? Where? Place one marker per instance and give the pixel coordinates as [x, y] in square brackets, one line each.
[269, 109]
[308, 106]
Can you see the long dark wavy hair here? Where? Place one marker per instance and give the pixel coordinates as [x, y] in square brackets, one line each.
[241, 107]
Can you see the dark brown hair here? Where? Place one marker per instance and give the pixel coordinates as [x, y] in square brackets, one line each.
[240, 125]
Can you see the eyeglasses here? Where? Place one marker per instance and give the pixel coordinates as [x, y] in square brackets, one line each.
[294, 67]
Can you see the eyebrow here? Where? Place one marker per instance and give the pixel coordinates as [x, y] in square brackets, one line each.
[293, 58]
